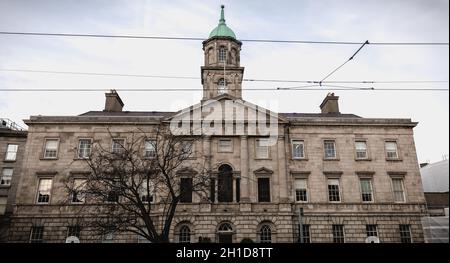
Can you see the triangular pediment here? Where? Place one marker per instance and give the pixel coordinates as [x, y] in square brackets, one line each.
[263, 171]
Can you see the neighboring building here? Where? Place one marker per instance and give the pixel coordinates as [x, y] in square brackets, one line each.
[354, 177]
[12, 148]
[435, 179]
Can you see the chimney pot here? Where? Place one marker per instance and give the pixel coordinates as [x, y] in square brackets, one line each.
[113, 102]
[330, 104]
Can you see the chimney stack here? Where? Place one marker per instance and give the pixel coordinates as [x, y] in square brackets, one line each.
[330, 104]
[113, 102]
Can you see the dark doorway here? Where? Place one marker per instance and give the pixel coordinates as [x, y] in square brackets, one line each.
[225, 238]
[225, 184]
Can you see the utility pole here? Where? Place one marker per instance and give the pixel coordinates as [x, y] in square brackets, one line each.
[300, 224]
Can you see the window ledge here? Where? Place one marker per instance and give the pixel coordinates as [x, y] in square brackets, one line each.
[9, 161]
[394, 160]
[364, 160]
[300, 159]
[5, 186]
[331, 159]
[80, 159]
[263, 158]
[47, 159]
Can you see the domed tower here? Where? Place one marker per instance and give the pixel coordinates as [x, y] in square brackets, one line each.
[222, 73]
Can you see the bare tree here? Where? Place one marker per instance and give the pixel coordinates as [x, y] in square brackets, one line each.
[136, 186]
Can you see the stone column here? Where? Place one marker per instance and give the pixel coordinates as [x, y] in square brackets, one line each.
[245, 180]
[207, 155]
[281, 175]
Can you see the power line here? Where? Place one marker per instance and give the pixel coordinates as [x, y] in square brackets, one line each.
[243, 40]
[348, 60]
[245, 79]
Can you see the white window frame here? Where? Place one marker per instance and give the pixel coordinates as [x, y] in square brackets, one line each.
[151, 149]
[402, 184]
[14, 153]
[325, 149]
[394, 142]
[5, 179]
[366, 150]
[39, 190]
[121, 148]
[222, 86]
[222, 54]
[303, 152]
[46, 150]
[81, 197]
[258, 147]
[339, 189]
[79, 148]
[361, 179]
[296, 188]
[143, 192]
[376, 230]
[221, 149]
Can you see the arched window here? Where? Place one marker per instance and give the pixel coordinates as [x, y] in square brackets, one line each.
[222, 84]
[225, 183]
[222, 54]
[225, 233]
[185, 235]
[265, 234]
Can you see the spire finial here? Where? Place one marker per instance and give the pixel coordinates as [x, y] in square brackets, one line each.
[222, 15]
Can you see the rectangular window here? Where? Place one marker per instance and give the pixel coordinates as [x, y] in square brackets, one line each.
[84, 148]
[398, 189]
[78, 193]
[225, 145]
[361, 150]
[366, 190]
[37, 234]
[301, 190]
[333, 190]
[73, 231]
[150, 149]
[304, 235]
[391, 150]
[118, 146]
[262, 148]
[338, 234]
[263, 190]
[371, 230]
[44, 191]
[329, 147]
[186, 190]
[11, 152]
[298, 149]
[51, 148]
[6, 176]
[405, 234]
[147, 196]
[187, 148]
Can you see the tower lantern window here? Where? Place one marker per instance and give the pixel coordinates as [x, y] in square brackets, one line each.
[222, 54]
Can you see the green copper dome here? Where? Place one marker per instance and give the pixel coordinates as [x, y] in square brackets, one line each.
[222, 30]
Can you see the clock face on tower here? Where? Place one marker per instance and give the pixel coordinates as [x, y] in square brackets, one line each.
[222, 73]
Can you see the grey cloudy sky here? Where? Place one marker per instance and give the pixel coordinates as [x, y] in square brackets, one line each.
[376, 21]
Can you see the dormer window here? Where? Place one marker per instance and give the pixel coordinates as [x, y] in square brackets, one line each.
[222, 54]
[222, 86]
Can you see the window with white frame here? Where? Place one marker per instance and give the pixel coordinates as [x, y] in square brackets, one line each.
[37, 234]
[329, 147]
[6, 176]
[338, 234]
[225, 145]
[366, 189]
[150, 149]
[333, 190]
[78, 191]
[405, 234]
[184, 235]
[11, 152]
[51, 148]
[265, 234]
[222, 54]
[44, 191]
[371, 230]
[222, 86]
[391, 150]
[262, 148]
[118, 146]
[398, 189]
[84, 148]
[147, 192]
[361, 150]
[301, 190]
[298, 149]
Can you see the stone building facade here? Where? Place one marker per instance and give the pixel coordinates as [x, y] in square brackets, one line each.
[341, 177]
[12, 148]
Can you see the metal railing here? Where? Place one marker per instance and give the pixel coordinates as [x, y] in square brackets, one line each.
[6, 123]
